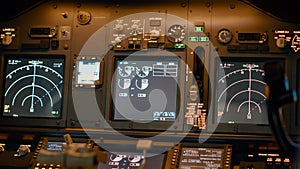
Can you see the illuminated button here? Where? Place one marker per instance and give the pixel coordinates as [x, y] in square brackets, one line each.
[278, 160]
[130, 44]
[35, 154]
[138, 44]
[286, 160]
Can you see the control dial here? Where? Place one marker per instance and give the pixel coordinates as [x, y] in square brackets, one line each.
[224, 36]
[135, 28]
[119, 26]
[281, 42]
[176, 33]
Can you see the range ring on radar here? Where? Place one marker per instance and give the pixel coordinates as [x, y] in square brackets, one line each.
[33, 87]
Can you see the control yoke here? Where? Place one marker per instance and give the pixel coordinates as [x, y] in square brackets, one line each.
[278, 93]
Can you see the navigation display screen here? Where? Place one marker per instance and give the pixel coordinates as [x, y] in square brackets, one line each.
[33, 86]
[240, 91]
[145, 88]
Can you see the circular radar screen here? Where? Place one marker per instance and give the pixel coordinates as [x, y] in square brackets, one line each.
[240, 91]
[33, 86]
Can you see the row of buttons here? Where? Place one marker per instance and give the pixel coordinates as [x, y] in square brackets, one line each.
[175, 156]
[228, 156]
[47, 166]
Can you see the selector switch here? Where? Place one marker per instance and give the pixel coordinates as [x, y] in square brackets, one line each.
[2, 147]
[22, 150]
[281, 42]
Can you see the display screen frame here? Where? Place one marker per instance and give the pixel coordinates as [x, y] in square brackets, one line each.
[116, 115]
[240, 126]
[224, 150]
[176, 125]
[58, 120]
[80, 81]
[121, 159]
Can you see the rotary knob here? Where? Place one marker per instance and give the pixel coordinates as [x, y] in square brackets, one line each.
[176, 33]
[119, 26]
[224, 36]
[281, 42]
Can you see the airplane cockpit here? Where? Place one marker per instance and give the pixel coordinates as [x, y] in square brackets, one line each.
[127, 84]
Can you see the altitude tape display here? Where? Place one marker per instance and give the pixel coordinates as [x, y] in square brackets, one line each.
[244, 87]
[33, 86]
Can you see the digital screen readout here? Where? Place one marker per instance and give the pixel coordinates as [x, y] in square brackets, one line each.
[33, 86]
[145, 88]
[201, 158]
[240, 91]
[88, 71]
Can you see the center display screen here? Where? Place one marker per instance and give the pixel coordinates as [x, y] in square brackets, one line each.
[33, 86]
[145, 88]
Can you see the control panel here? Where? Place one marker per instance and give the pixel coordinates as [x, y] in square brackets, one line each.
[132, 85]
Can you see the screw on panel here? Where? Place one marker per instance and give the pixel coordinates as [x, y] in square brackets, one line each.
[83, 17]
[208, 4]
[232, 6]
[54, 6]
[78, 5]
[183, 4]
